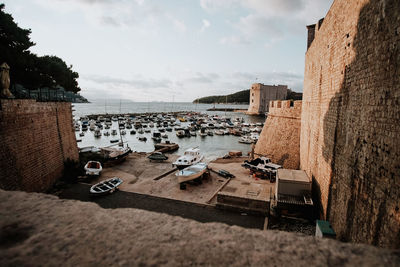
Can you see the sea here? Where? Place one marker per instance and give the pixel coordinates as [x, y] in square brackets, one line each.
[211, 146]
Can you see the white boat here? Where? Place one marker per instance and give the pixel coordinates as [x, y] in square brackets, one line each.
[246, 140]
[255, 137]
[93, 168]
[97, 133]
[106, 186]
[123, 132]
[191, 172]
[190, 157]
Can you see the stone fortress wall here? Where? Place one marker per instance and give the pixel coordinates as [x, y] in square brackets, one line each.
[282, 131]
[261, 95]
[35, 141]
[350, 119]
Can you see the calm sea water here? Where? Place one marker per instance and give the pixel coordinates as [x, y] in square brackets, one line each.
[211, 146]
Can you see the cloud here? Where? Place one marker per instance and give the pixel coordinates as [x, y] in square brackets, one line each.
[110, 21]
[205, 25]
[234, 40]
[202, 78]
[255, 24]
[183, 86]
[275, 19]
[138, 82]
[178, 24]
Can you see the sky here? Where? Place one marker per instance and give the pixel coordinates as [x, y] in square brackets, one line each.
[172, 50]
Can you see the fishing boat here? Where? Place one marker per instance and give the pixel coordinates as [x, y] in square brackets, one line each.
[93, 168]
[106, 187]
[190, 157]
[115, 155]
[192, 172]
[156, 136]
[97, 133]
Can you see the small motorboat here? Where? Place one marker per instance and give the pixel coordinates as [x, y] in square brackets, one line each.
[106, 133]
[81, 134]
[190, 157]
[180, 133]
[114, 140]
[106, 187]
[123, 132]
[191, 172]
[132, 132]
[164, 136]
[246, 140]
[93, 168]
[142, 138]
[157, 156]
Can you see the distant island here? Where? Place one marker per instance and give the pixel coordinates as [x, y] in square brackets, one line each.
[241, 97]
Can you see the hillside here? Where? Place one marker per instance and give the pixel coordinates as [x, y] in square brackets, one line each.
[241, 97]
[238, 97]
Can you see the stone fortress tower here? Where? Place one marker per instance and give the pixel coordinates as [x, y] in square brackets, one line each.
[345, 134]
[261, 94]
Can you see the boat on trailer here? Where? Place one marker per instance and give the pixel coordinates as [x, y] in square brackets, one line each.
[106, 187]
[191, 173]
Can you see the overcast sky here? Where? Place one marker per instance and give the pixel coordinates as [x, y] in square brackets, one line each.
[172, 49]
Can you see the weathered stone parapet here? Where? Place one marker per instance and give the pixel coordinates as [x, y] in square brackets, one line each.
[35, 140]
[280, 137]
[38, 230]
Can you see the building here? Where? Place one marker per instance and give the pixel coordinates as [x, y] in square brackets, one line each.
[261, 94]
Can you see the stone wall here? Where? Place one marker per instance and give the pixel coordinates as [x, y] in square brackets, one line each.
[350, 120]
[35, 140]
[35, 233]
[280, 137]
[261, 95]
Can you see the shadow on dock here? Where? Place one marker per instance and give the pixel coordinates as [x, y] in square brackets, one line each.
[197, 212]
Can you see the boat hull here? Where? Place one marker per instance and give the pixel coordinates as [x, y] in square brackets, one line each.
[192, 172]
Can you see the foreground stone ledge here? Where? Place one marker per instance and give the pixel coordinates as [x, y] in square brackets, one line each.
[38, 229]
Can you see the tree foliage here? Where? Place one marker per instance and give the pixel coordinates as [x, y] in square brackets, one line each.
[26, 68]
[238, 97]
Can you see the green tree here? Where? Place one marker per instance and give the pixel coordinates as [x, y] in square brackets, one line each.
[28, 69]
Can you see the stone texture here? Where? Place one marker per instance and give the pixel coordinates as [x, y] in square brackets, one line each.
[261, 95]
[38, 229]
[35, 140]
[351, 119]
[280, 137]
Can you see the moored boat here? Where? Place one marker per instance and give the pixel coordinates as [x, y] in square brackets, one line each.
[106, 187]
